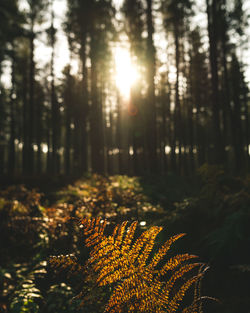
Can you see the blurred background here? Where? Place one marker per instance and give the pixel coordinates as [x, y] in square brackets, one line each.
[128, 87]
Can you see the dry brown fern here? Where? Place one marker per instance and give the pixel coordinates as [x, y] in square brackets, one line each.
[140, 282]
[66, 263]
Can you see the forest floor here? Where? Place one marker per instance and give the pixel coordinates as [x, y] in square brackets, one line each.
[213, 209]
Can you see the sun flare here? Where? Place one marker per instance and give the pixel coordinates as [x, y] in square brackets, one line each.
[126, 73]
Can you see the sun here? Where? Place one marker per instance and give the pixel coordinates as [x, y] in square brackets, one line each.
[126, 74]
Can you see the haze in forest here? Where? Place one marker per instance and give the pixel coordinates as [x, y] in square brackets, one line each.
[139, 87]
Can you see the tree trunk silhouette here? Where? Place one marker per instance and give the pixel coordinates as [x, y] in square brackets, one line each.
[212, 17]
[2, 114]
[151, 110]
[68, 120]
[30, 156]
[55, 113]
[11, 154]
[84, 109]
[95, 114]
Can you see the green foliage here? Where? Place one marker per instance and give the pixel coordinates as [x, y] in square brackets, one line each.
[222, 208]
[27, 297]
[116, 197]
[21, 223]
[58, 299]
[20, 201]
[216, 219]
[31, 232]
[25, 305]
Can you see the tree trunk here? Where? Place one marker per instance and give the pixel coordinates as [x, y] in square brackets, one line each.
[39, 131]
[2, 111]
[84, 109]
[246, 114]
[30, 150]
[68, 121]
[54, 105]
[11, 154]
[25, 150]
[151, 110]
[177, 109]
[119, 135]
[212, 16]
[97, 159]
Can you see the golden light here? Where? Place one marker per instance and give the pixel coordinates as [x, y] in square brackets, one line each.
[126, 73]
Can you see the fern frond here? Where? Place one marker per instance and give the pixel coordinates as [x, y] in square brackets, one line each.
[121, 230]
[129, 237]
[66, 262]
[148, 246]
[123, 264]
[196, 305]
[125, 261]
[102, 250]
[141, 241]
[174, 262]
[115, 230]
[168, 287]
[116, 259]
[174, 303]
[94, 229]
[197, 289]
[97, 236]
[163, 250]
[178, 274]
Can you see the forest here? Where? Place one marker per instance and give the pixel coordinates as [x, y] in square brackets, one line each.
[124, 123]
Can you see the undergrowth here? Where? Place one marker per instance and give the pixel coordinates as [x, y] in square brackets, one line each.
[126, 262]
[215, 218]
